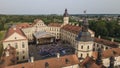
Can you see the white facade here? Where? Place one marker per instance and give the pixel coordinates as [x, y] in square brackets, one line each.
[65, 20]
[106, 61]
[84, 49]
[20, 43]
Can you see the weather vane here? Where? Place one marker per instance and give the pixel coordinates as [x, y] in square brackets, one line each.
[85, 11]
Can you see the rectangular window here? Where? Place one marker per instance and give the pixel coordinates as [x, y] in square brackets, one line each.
[23, 52]
[81, 55]
[23, 45]
[16, 46]
[17, 58]
[23, 57]
[87, 54]
[17, 53]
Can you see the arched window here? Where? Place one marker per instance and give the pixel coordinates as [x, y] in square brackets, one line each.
[87, 47]
[46, 65]
[106, 47]
[87, 54]
[93, 49]
[81, 55]
[81, 47]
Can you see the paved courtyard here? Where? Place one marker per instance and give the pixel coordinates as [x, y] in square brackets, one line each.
[50, 50]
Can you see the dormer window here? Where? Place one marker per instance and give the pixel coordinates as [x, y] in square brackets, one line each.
[23, 67]
[67, 61]
[46, 65]
[8, 44]
[15, 37]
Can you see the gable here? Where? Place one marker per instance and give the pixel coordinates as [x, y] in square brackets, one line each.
[39, 23]
[15, 36]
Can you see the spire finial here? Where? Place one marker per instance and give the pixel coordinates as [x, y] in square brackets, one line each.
[66, 13]
[66, 10]
[85, 11]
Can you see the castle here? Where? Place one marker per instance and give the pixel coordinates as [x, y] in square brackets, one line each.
[81, 38]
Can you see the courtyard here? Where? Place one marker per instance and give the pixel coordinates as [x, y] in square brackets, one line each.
[50, 50]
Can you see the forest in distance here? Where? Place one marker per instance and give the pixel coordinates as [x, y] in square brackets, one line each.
[105, 28]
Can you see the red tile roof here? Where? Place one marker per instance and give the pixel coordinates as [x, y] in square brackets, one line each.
[91, 62]
[12, 30]
[55, 24]
[53, 62]
[23, 25]
[72, 28]
[106, 42]
[108, 53]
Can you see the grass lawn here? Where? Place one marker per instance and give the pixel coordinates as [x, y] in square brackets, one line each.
[1, 49]
[2, 34]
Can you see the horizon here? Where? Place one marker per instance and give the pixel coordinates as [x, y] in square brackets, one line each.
[30, 7]
[57, 14]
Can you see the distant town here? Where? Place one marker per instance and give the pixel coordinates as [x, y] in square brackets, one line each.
[60, 41]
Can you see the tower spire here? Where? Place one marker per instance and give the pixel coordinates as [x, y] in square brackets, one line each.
[65, 18]
[66, 13]
[84, 34]
[85, 23]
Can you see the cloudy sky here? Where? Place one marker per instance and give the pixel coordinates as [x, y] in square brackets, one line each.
[58, 6]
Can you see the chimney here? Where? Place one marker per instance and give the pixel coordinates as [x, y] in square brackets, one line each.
[7, 53]
[112, 40]
[73, 24]
[99, 37]
[58, 55]
[77, 24]
[32, 59]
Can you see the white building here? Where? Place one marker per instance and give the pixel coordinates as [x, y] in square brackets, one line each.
[16, 38]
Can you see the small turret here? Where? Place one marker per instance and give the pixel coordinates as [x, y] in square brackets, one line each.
[65, 17]
[85, 25]
[99, 57]
[84, 35]
[66, 13]
[112, 59]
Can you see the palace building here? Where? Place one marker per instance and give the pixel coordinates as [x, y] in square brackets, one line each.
[81, 38]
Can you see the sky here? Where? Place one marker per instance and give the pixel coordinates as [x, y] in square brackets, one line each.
[58, 6]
